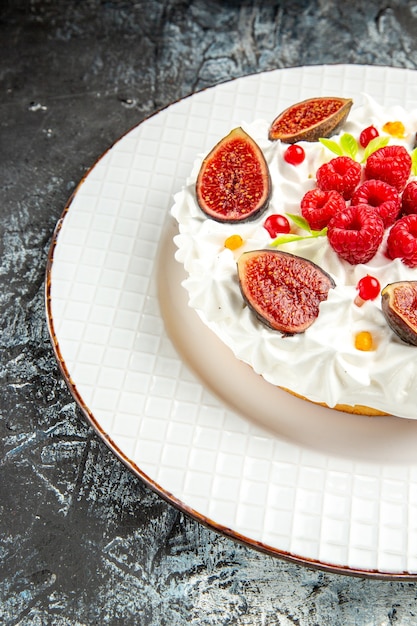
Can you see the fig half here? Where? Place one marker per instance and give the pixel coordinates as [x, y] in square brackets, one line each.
[283, 290]
[234, 183]
[310, 119]
[399, 306]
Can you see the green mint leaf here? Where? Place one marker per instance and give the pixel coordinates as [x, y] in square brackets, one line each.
[414, 162]
[286, 239]
[299, 221]
[319, 233]
[374, 145]
[331, 145]
[349, 145]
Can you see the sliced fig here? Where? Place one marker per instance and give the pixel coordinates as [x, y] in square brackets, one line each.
[234, 183]
[310, 119]
[283, 290]
[399, 306]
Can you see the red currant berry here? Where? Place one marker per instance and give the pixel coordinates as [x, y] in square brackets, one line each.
[276, 224]
[367, 135]
[368, 288]
[294, 155]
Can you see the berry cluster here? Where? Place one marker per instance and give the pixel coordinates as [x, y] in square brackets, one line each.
[358, 204]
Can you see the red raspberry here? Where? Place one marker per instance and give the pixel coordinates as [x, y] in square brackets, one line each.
[341, 174]
[318, 207]
[391, 164]
[409, 198]
[382, 197]
[356, 233]
[402, 240]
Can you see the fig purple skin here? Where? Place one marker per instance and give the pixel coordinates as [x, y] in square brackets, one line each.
[234, 183]
[399, 306]
[283, 290]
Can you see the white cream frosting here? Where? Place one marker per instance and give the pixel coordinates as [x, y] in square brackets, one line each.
[322, 363]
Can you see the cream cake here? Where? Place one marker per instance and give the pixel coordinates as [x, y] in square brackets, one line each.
[349, 358]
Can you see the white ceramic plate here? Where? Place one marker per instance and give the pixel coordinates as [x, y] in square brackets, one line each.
[313, 485]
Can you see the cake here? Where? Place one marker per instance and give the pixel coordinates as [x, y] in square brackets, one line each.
[351, 357]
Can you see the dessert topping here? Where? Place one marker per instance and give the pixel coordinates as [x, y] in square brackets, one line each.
[395, 129]
[409, 198]
[399, 306]
[391, 164]
[356, 233]
[310, 119]
[318, 207]
[402, 240]
[283, 290]
[364, 341]
[233, 184]
[294, 155]
[276, 224]
[367, 135]
[233, 242]
[341, 174]
[368, 289]
[384, 198]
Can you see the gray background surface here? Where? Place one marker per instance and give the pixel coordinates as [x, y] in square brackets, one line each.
[82, 541]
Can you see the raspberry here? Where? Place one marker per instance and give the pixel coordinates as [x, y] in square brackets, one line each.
[402, 240]
[409, 198]
[356, 233]
[318, 207]
[382, 197]
[392, 164]
[341, 174]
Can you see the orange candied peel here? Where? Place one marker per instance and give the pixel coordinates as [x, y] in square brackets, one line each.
[395, 129]
[364, 341]
[233, 242]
